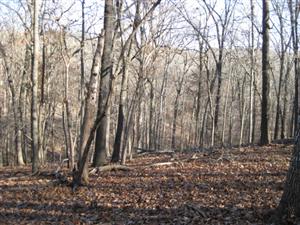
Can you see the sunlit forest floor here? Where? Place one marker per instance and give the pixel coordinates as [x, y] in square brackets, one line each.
[237, 186]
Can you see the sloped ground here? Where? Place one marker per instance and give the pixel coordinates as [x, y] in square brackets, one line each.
[233, 187]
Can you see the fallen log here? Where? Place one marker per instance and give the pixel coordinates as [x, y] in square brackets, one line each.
[164, 164]
[142, 151]
[112, 167]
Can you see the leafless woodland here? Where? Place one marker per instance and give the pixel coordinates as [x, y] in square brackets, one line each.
[85, 83]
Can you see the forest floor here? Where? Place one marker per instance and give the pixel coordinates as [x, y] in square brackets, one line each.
[237, 186]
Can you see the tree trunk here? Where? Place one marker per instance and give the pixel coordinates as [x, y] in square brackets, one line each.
[130, 118]
[264, 138]
[230, 116]
[294, 14]
[105, 84]
[252, 74]
[203, 126]
[89, 114]
[243, 109]
[175, 113]
[218, 95]
[279, 111]
[34, 89]
[123, 95]
[22, 100]
[151, 116]
[198, 100]
[162, 97]
[121, 117]
[285, 101]
[225, 111]
[82, 75]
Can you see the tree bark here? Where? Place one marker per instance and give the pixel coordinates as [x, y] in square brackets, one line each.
[264, 138]
[89, 113]
[252, 74]
[198, 100]
[175, 111]
[242, 111]
[294, 15]
[105, 84]
[121, 115]
[123, 95]
[282, 73]
[34, 88]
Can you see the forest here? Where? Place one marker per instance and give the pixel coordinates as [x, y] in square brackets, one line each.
[149, 112]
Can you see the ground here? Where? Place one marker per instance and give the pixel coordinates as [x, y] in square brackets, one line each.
[237, 186]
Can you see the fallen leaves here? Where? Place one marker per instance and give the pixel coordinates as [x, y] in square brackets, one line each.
[195, 189]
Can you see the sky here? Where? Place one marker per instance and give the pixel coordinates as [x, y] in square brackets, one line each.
[69, 14]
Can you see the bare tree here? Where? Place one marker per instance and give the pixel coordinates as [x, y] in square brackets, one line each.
[252, 77]
[294, 15]
[123, 88]
[181, 76]
[105, 83]
[265, 108]
[290, 198]
[89, 114]
[34, 87]
[284, 44]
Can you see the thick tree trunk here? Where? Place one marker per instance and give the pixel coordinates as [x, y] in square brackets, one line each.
[123, 93]
[34, 89]
[121, 116]
[105, 84]
[291, 196]
[118, 139]
[89, 114]
[264, 138]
